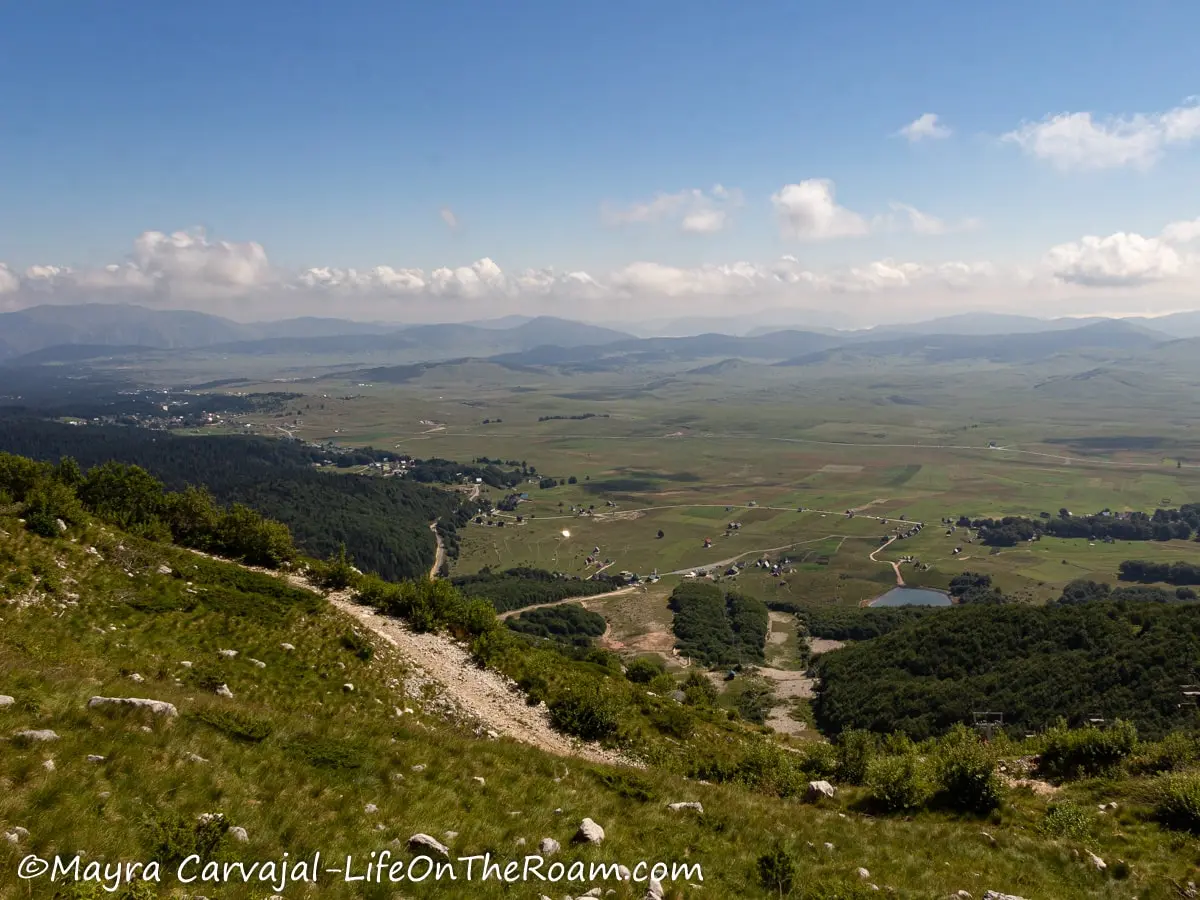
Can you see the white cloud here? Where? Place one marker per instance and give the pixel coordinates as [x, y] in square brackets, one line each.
[808, 211]
[1125, 259]
[185, 258]
[449, 218]
[1182, 232]
[703, 221]
[1078, 141]
[190, 271]
[925, 127]
[693, 211]
[10, 283]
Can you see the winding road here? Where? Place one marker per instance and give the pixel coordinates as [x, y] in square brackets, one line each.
[617, 593]
[895, 566]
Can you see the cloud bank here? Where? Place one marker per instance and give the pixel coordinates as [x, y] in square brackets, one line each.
[187, 269]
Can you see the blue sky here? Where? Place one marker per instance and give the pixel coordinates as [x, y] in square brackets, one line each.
[334, 135]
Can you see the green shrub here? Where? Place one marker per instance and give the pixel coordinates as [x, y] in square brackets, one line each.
[585, 710]
[1174, 752]
[173, 837]
[675, 721]
[644, 670]
[777, 870]
[1067, 820]
[1177, 801]
[627, 785]
[819, 760]
[896, 783]
[699, 689]
[966, 773]
[755, 702]
[1074, 753]
[358, 645]
[855, 750]
[239, 725]
[338, 572]
[769, 768]
[329, 753]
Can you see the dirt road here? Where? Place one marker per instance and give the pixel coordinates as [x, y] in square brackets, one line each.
[440, 557]
[895, 566]
[617, 593]
[722, 563]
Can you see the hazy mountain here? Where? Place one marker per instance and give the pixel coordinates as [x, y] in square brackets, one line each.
[775, 346]
[980, 323]
[1175, 325]
[110, 324]
[1108, 335]
[130, 330]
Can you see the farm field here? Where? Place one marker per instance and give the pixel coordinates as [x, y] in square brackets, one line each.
[661, 450]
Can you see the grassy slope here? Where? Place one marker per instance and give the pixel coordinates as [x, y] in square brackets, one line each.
[330, 752]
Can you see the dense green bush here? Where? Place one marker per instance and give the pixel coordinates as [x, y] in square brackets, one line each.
[700, 691]
[1067, 820]
[1177, 750]
[1073, 753]
[644, 669]
[1177, 801]
[965, 772]
[585, 710]
[898, 783]
[819, 760]
[855, 750]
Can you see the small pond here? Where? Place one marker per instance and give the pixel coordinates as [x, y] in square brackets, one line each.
[906, 596]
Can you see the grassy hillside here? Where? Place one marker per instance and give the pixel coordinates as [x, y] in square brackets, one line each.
[305, 763]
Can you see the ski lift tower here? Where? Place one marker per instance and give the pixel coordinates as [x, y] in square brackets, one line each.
[988, 723]
[1190, 695]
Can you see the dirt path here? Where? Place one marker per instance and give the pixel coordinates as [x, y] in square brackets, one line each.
[628, 513]
[444, 667]
[482, 694]
[721, 563]
[617, 593]
[895, 566]
[440, 557]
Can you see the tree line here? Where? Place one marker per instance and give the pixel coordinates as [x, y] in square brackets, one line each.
[522, 586]
[1161, 525]
[58, 496]
[384, 520]
[1034, 664]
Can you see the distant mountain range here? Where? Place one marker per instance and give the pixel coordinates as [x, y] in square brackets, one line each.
[73, 334]
[70, 333]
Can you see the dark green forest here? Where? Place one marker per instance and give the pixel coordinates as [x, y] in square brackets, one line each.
[718, 629]
[1161, 525]
[1033, 664]
[521, 587]
[851, 623]
[385, 522]
[1177, 573]
[569, 623]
